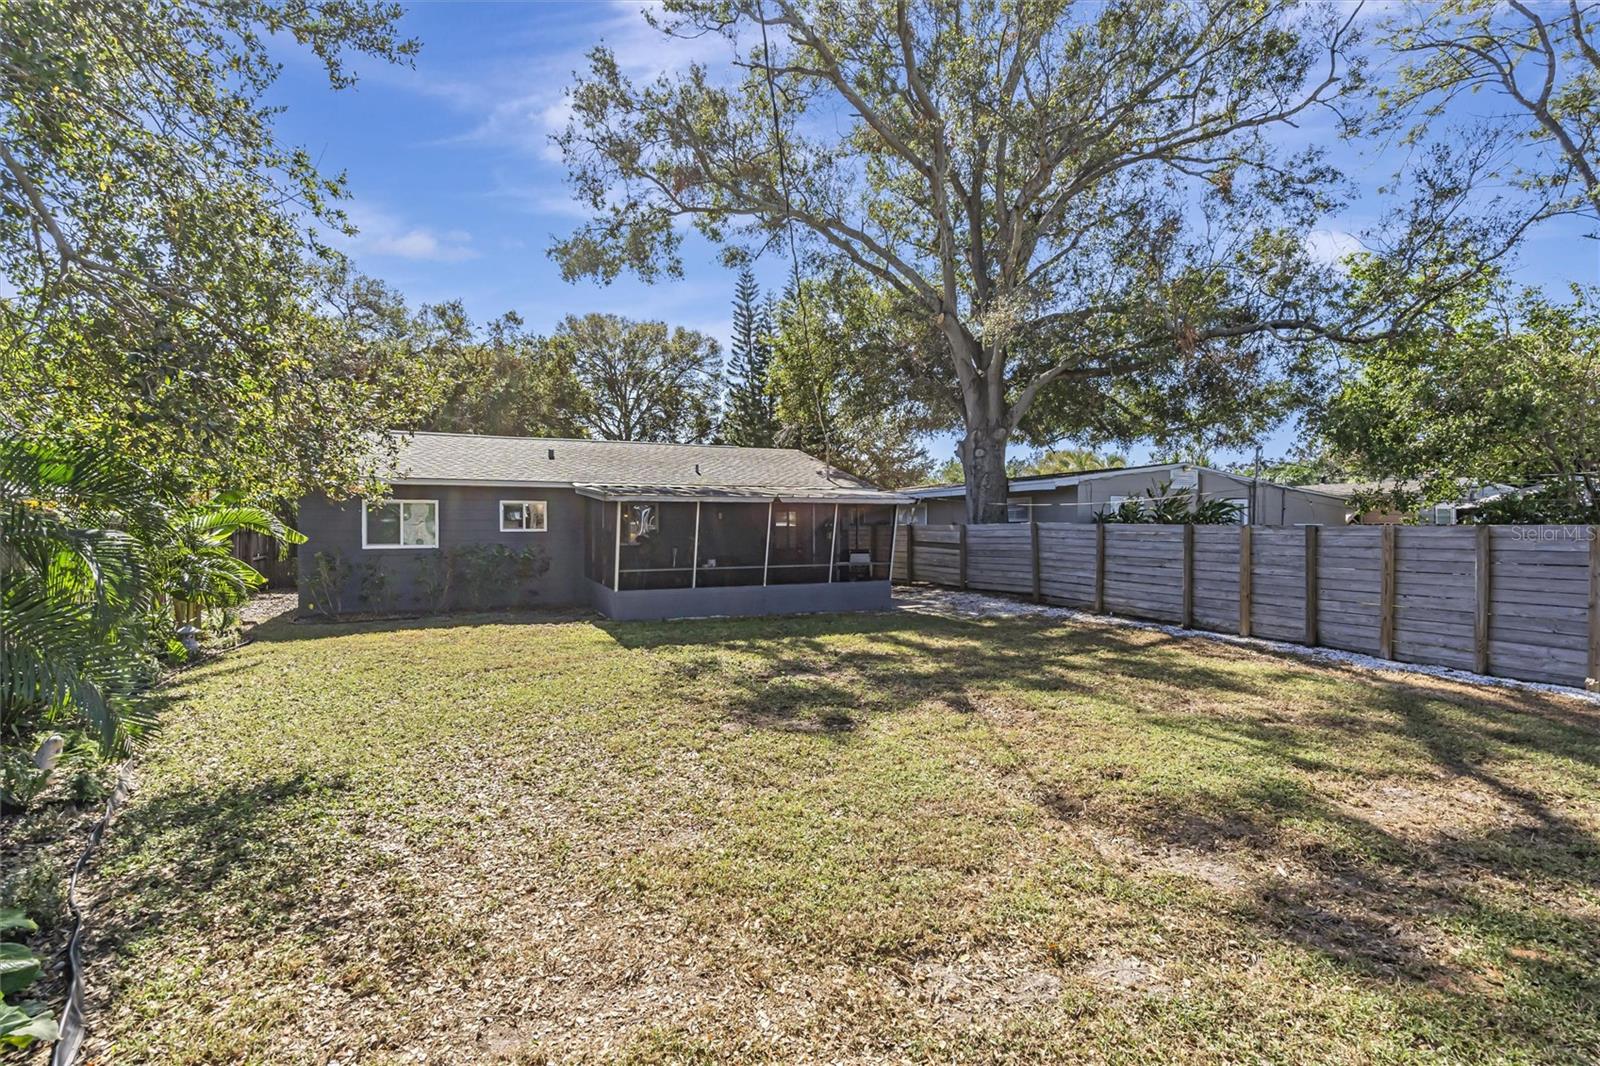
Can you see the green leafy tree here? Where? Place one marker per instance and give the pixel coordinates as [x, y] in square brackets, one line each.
[1539, 61]
[1499, 386]
[750, 415]
[76, 590]
[842, 374]
[504, 380]
[1082, 202]
[163, 247]
[641, 380]
[951, 473]
[1067, 461]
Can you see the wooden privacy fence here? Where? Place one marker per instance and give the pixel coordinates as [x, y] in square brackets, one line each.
[1514, 601]
[268, 556]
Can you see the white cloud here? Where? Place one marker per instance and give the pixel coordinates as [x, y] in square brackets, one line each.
[1331, 245]
[521, 104]
[547, 198]
[383, 234]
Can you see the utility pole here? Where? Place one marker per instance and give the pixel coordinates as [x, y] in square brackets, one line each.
[1255, 489]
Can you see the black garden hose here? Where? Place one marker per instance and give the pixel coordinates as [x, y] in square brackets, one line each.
[70, 1040]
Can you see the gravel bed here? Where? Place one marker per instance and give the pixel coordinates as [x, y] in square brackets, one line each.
[958, 604]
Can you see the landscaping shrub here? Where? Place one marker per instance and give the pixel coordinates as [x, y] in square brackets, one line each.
[94, 553]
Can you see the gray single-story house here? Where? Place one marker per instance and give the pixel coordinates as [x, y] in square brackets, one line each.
[635, 530]
[1081, 495]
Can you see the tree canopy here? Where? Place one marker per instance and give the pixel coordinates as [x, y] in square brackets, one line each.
[845, 376]
[1082, 203]
[641, 380]
[750, 409]
[1539, 61]
[501, 379]
[1500, 385]
[172, 286]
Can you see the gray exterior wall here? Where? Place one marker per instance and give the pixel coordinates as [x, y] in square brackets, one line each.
[655, 604]
[471, 515]
[468, 514]
[1276, 505]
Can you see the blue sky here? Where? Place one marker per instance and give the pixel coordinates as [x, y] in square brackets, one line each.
[458, 191]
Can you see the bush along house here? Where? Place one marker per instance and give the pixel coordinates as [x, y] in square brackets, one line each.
[635, 530]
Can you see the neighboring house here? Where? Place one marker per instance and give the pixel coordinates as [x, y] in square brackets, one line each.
[635, 530]
[1447, 513]
[1080, 496]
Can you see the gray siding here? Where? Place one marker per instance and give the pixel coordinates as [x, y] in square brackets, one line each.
[1276, 505]
[467, 515]
[741, 600]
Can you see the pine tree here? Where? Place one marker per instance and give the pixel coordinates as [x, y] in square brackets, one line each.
[750, 415]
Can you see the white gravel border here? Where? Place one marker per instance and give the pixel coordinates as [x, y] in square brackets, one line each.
[926, 599]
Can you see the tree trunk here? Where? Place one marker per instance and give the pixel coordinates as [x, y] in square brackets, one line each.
[983, 460]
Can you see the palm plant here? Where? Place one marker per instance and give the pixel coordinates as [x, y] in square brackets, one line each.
[91, 550]
[1165, 505]
[75, 589]
[195, 563]
[1215, 512]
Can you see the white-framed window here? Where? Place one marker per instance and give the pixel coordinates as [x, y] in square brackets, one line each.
[914, 515]
[1017, 508]
[1243, 504]
[400, 524]
[522, 516]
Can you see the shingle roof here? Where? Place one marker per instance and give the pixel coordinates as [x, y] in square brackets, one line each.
[617, 465]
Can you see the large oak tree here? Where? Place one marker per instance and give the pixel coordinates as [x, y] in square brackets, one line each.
[1082, 202]
[1539, 64]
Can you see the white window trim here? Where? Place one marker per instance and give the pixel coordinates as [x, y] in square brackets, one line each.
[365, 546]
[544, 509]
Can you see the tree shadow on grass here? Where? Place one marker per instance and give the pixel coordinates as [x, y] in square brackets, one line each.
[1485, 917]
[175, 850]
[288, 627]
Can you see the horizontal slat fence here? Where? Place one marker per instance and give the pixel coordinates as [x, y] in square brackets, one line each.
[1514, 601]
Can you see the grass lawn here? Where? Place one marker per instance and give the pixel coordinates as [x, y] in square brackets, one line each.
[859, 839]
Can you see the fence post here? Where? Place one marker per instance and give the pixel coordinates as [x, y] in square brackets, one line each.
[1482, 590]
[1313, 539]
[1038, 596]
[963, 552]
[1099, 568]
[1246, 571]
[911, 553]
[1592, 678]
[1386, 594]
[1188, 575]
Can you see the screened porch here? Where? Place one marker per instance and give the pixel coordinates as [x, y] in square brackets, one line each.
[637, 544]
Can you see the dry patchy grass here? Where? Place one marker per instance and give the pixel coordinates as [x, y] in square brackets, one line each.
[848, 839]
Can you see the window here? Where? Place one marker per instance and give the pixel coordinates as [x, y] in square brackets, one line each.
[400, 524]
[522, 516]
[1243, 504]
[1017, 508]
[1112, 505]
[785, 529]
[639, 521]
